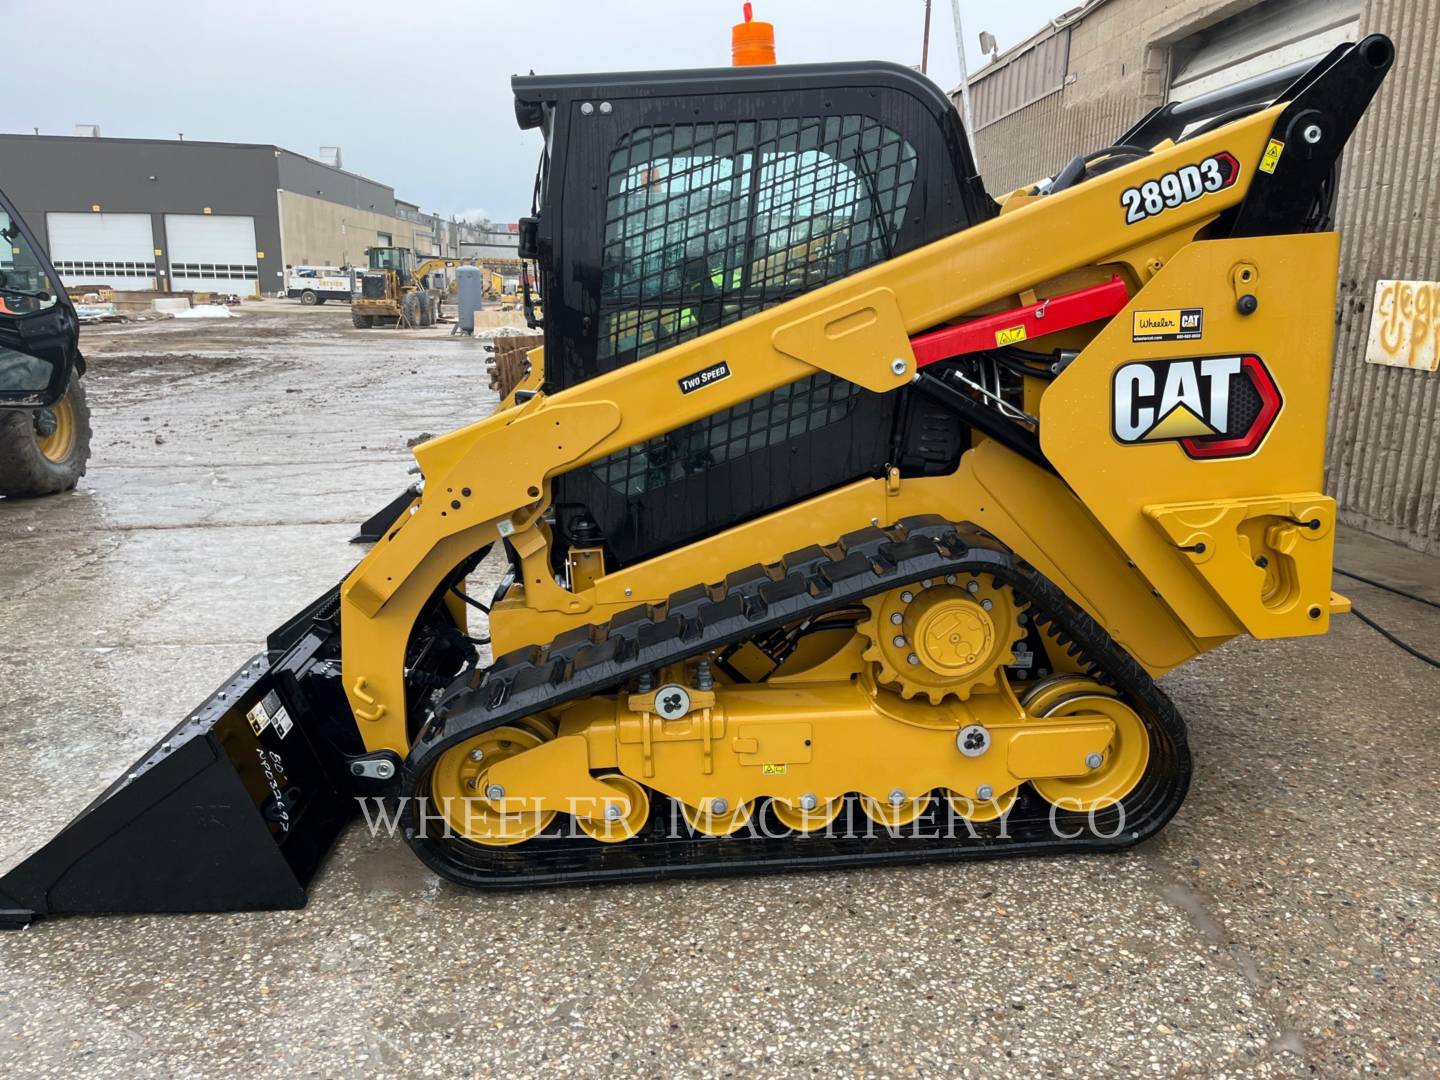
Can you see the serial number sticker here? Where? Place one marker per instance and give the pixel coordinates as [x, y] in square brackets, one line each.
[1170, 324]
[1023, 659]
[772, 770]
[1273, 149]
[1010, 335]
[1185, 184]
[704, 377]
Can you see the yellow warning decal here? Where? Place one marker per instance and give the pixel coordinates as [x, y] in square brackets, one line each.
[772, 770]
[1010, 335]
[1268, 160]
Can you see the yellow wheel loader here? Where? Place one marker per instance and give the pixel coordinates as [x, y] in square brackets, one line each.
[44, 418]
[866, 561]
[396, 291]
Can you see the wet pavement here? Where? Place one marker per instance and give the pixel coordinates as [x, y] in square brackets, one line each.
[1284, 924]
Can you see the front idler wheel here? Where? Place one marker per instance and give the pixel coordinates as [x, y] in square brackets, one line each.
[471, 806]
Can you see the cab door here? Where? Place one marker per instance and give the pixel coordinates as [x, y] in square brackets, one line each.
[39, 331]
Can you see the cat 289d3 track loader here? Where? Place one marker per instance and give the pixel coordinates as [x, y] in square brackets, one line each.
[849, 516]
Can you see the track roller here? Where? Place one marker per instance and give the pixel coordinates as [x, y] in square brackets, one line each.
[896, 811]
[1122, 763]
[806, 815]
[979, 810]
[615, 825]
[717, 818]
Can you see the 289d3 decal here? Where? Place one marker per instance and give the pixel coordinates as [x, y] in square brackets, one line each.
[1185, 184]
[1213, 406]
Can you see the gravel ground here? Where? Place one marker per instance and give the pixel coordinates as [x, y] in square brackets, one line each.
[1285, 924]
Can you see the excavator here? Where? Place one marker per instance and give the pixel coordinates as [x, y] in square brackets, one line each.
[395, 290]
[868, 561]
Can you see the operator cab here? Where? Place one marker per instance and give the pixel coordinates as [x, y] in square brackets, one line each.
[722, 193]
[374, 284]
[39, 332]
[390, 258]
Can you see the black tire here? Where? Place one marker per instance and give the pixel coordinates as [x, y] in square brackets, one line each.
[28, 469]
[308, 298]
[319, 299]
[361, 322]
[411, 310]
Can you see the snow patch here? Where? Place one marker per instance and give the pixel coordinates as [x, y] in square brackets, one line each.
[206, 311]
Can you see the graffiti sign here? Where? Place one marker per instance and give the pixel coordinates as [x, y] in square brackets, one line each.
[1405, 325]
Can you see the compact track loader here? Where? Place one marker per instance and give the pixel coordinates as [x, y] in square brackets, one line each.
[849, 515]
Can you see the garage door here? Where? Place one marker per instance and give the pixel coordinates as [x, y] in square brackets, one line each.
[1260, 39]
[212, 253]
[117, 250]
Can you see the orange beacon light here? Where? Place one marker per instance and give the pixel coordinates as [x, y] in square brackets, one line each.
[752, 42]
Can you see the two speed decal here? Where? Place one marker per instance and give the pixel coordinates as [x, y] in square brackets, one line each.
[1185, 184]
[704, 377]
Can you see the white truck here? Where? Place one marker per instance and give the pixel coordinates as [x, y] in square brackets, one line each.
[316, 284]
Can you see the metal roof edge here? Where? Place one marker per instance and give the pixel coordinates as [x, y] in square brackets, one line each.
[1050, 29]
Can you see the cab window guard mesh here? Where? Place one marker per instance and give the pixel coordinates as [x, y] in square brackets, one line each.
[787, 413]
[709, 223]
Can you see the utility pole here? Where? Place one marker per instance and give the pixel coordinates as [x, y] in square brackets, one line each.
[964, 84]
[925, 48]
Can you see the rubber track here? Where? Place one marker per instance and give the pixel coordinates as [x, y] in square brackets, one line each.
[598, 659]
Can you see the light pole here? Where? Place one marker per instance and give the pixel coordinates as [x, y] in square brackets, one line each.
[924, 48]
[964, 84]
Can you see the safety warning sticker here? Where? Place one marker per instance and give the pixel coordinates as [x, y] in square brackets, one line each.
[1268, 160]
[270, 713]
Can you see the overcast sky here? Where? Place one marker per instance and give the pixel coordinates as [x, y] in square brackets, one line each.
[416, 95]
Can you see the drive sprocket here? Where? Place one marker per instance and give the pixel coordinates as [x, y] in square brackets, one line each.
[942, 637]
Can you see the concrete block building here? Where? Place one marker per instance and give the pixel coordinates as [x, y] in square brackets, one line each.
[224, 217]
[1080, 81]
